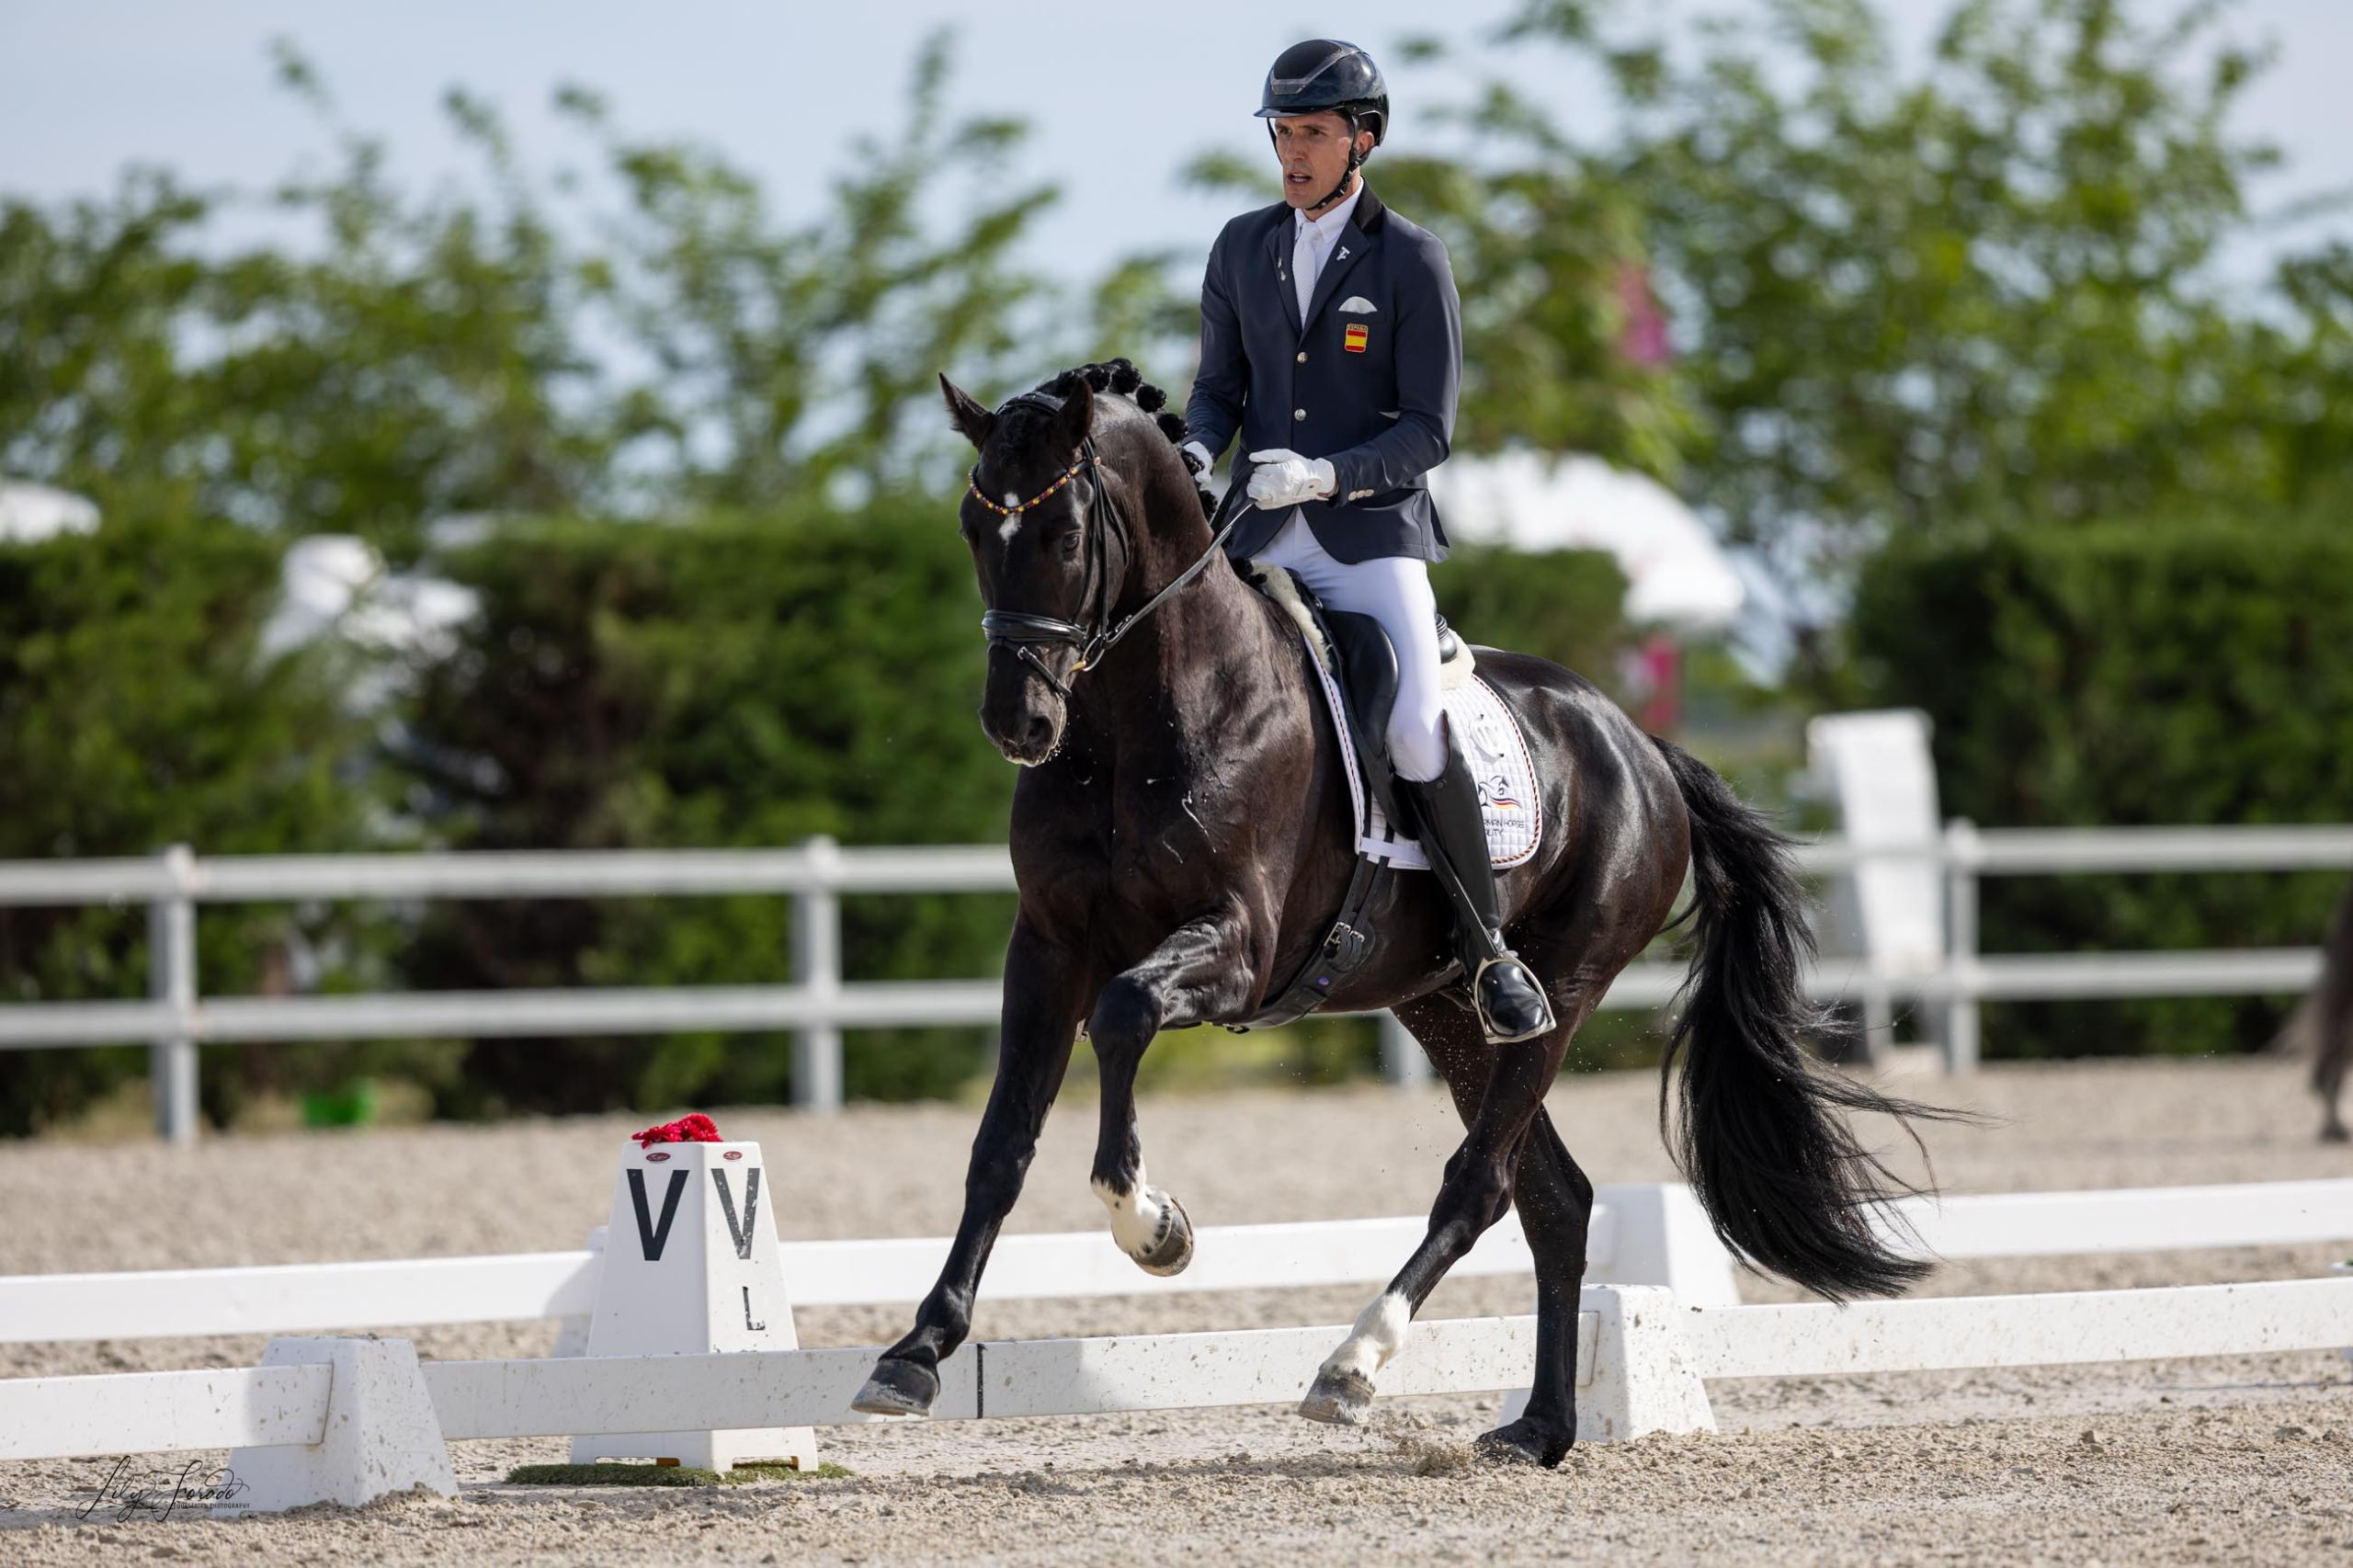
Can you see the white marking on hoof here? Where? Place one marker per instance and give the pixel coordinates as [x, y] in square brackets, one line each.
[1380, 1335]
[1137, 1216]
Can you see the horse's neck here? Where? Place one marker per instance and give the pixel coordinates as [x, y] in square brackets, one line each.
[1196, 662]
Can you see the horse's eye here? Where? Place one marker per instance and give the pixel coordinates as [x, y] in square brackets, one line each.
[1070, 544]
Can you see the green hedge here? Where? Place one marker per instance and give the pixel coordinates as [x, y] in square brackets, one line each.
[747, 681]
[741, 681]
[2130, 674]
[752, 681]
[137, 709]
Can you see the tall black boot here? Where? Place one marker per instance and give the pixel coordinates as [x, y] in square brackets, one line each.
[1512, 1005]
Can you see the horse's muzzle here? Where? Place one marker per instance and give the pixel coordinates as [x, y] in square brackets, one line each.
[1022, 716]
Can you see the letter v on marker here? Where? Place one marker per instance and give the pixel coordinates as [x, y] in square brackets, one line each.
[652, 1236]
[742, 1233]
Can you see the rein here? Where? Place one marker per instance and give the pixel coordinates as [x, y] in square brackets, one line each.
[1022, 632]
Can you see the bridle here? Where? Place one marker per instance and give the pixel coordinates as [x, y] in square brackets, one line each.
[1022, 632]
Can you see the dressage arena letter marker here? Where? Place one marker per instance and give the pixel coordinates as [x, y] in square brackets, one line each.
[650, 1235]
[742, 1232]
[707, 1277]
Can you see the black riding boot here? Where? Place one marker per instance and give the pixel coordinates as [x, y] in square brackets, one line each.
[1511, 1004]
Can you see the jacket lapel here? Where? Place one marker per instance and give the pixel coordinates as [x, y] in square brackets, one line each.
[1279, 249]
[1357, 240]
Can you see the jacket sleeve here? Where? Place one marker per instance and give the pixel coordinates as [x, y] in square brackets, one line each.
[1429, 380]
[1213, 411]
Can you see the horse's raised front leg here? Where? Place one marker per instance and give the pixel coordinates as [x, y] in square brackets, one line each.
[1199, 970]
[1475, 1192]
[1045, 993]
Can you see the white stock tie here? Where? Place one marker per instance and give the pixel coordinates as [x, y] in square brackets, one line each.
[1306, 258]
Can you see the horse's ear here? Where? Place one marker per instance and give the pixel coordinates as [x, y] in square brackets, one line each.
[977, 423]
[1075, 419]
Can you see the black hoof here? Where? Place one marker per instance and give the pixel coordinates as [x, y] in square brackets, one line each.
[1525, 1442]
[1339, 1399]
[2335, 1133]
[1172, 1249]
[898, 1388]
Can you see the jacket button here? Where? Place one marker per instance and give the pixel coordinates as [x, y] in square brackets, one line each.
[1298, 414]
[1303, 356]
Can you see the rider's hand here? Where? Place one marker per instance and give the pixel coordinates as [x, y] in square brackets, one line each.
[1196, 457]
[1283, 478]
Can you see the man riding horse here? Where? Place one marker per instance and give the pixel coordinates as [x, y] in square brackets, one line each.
[1332, 339]
[1182, 830]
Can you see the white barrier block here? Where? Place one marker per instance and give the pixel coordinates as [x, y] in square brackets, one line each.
[1633, 1376]
[1643, 1382]
[1662, 1237]
[690, 1267]
[381, 1436]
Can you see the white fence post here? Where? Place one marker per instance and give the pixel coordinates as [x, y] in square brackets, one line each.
[171, 980]
[1961, 858]
[1401, 1061]
[817, 967]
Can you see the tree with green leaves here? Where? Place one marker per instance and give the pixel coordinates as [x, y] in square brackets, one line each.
[661, 338]
[1982, 290]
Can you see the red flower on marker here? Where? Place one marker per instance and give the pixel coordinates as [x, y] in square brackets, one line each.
[692, 1127]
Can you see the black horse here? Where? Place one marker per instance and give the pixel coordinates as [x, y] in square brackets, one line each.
[1182, 836]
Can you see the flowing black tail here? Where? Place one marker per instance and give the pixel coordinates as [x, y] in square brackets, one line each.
[1759, 1134]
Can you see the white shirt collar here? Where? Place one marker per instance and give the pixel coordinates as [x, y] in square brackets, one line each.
[1327, 227]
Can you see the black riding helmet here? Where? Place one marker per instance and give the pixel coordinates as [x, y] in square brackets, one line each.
[1327, 73]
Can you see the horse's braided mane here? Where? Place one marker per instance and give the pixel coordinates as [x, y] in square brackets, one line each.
[1122, 376]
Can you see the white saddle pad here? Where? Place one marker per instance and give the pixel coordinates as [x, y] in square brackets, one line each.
[1499, 760]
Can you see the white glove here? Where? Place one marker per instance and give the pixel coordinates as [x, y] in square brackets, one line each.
[1283, 478]
[1197, 455]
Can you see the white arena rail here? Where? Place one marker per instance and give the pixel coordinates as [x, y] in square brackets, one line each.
[348, 1420]
[1641, 1234]
[818, 1004]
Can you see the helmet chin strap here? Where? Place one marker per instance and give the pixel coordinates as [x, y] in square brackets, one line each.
[1356, 162]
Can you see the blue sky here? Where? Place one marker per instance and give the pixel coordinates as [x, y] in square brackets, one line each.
[1121, 93]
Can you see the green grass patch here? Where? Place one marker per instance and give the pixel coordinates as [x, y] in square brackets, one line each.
[612, 1474]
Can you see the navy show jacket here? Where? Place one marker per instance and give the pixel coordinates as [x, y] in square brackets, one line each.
[1369, 381]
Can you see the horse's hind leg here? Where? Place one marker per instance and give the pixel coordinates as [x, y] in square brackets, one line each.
[1199, 970]
[1555, 1203]
[1502, 1103]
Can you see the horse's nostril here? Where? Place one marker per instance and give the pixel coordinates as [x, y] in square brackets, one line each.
[1038, 734]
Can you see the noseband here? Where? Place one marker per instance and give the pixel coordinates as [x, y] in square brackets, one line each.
[1022, 632]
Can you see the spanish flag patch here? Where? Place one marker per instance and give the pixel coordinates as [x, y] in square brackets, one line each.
[1353, 339]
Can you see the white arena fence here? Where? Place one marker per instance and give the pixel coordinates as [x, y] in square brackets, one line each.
[345, 1420]
[1645, 1234]
[818, 1004]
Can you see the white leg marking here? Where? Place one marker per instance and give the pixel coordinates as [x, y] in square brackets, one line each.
[1135, 1216]
[1380, 1335]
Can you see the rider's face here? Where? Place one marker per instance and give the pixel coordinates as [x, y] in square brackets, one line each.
[1313, 149]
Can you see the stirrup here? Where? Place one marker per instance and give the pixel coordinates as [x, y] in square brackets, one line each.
[1502, 1033]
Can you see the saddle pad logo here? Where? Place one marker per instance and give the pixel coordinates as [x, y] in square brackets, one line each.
[1495, 794]
[1354, 338]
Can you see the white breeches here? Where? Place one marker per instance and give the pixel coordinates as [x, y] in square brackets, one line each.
[1394, 591]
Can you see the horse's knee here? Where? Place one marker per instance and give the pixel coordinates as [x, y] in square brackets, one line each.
[1474, 1196]
[1126, 1018]
[994, 1186]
